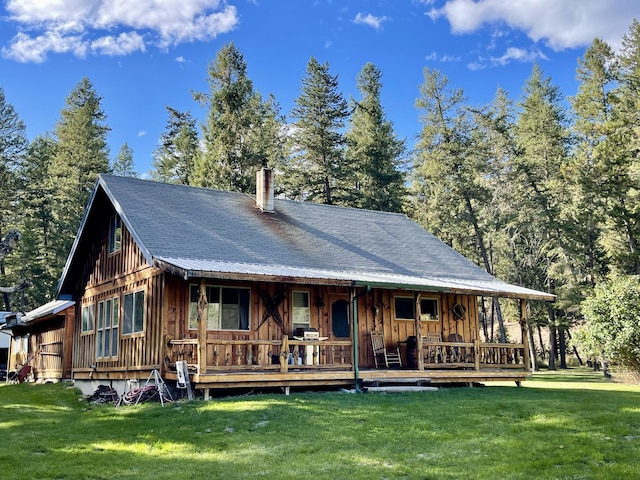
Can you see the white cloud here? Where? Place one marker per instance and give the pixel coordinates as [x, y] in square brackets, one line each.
[559, 24]
[24, 48]
[434, 57]
[123, 44]
[518, 54]
[80, 25]
[368, 19]
[142, 133]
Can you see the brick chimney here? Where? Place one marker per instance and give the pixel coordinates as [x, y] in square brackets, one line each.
[264, 190]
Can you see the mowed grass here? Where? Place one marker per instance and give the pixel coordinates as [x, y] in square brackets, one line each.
[567, 425]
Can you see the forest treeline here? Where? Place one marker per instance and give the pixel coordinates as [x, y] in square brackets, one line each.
[541, 191]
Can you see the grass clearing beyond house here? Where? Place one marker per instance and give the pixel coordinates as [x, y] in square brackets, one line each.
[566, 425]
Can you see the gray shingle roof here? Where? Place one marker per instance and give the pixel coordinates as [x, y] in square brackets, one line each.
[203, 232]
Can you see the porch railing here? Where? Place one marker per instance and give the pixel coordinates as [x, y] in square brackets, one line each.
[278, 355]
[476, 355]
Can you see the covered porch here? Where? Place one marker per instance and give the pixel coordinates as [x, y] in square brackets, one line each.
[291, 362]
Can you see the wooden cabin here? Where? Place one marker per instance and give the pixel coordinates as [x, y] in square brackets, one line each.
[263, 292]
[41, 340]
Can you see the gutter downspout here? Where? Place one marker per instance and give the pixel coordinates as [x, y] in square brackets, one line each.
[356, 350]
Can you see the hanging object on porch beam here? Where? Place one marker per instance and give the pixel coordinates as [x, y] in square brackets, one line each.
[271, 308]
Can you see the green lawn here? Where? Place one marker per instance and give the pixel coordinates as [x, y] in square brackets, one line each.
[569, 425]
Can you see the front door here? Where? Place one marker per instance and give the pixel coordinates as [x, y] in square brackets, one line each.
[340, 319]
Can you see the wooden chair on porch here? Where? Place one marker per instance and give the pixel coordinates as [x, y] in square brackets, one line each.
[391, 357]
[432, 351]
[457, 354]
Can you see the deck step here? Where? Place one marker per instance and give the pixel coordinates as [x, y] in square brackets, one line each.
[401, 389]
[376, 382]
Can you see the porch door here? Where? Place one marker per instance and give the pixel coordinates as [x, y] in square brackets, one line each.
[340, 319]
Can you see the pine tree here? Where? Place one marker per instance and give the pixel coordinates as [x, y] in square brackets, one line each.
[231, 153]
[619, 155]
[82, 153]
[590, 170]
[451, 169]
[539, 188]
[123, 164]
[174, 159]
[373, 149]
[34, 254]
[13, 145]
[317, 170]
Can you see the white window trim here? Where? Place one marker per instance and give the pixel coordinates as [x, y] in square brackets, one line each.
[295, 324]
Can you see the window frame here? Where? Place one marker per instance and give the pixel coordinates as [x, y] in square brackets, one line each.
[423, 317]
[294, 315]
[216, 310]
[88, 326]
[115, 234]
[135, 296]
[108, 329]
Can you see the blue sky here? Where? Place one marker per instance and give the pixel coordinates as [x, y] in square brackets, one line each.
[143, 55]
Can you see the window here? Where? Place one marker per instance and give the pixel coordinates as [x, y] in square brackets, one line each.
[115, 234]
[429, 309]
[21, 344]
[227, 308]
[87, 318]
[133, 313]
[404, 308]
[107, 332]
[301, 310]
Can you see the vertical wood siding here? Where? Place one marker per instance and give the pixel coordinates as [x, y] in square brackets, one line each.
[106, 276]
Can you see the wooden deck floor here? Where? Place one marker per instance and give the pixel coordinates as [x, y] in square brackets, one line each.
[346, 378]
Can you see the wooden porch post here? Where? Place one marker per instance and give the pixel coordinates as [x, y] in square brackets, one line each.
[524, 320]
[284, 354]
[202, 328]
[476, 354]
[420, 358]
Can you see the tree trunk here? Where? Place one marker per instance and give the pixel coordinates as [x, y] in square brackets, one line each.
[563, 348]
[484, 320]
[485, 259]
[575, 350]
[532, 347]
[542, 350]
[552, 340]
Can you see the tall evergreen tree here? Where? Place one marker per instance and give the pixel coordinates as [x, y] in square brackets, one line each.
[82, 153]
[590, 170]
[231, 153]
[13, 145]
[539, 187]
[451, 168]
[620, 155]
[174, 159]
[373, 149]
[34, 254]
[317, 170]
[123, 164]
